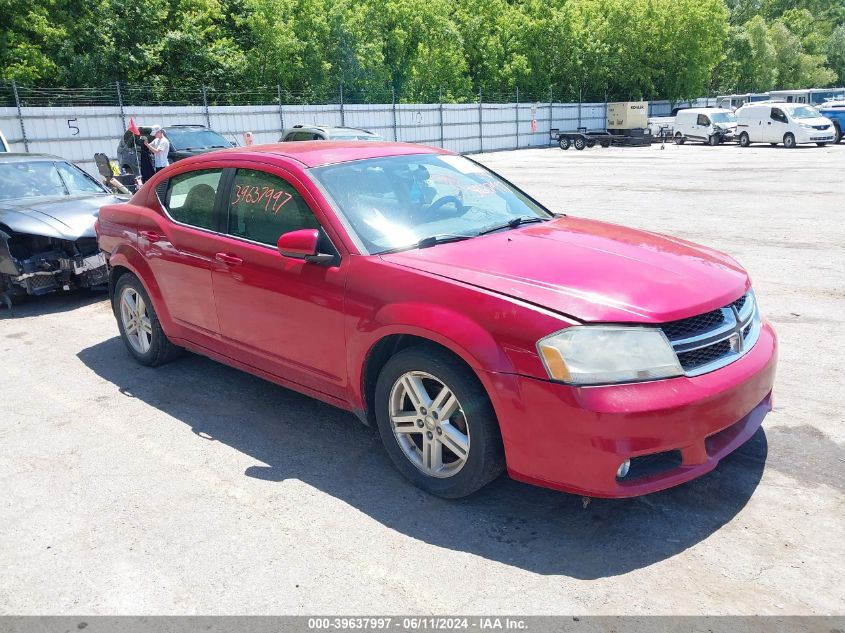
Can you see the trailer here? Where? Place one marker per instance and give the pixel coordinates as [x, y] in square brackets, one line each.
[582, 139]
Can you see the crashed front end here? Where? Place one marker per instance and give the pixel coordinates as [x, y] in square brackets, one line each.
[36, 265]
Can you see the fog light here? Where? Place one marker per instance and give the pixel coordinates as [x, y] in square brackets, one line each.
[623, 469]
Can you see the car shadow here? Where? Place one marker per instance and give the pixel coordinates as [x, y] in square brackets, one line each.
[52, 303]
[295, 437]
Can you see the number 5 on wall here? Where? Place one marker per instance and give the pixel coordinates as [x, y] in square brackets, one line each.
[73, 127]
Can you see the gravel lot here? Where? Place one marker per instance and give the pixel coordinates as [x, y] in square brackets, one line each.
[195, 488]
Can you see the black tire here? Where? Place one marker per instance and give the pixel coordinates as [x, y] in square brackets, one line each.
[837, 133]
[591, 143]
[564, 143]
[604, 143]
[789, 140]
[713, 140]
[579, 143]
[679, 139]
[485, 458]
[160, 350]
[744, 140]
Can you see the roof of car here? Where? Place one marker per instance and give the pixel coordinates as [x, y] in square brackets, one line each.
[328, 128]
[318, 153]
[12, 157]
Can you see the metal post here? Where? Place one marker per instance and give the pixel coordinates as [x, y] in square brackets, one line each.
[605, 109]
[440, 106]
[517, 117]
[393, 105]
[579, 109]
[342, 117]
[205, 107]
[550, 111]
[281, 111]
[120, 104]
[480, 124]
[20, 115]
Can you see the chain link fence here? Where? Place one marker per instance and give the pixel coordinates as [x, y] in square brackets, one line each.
[75, 123]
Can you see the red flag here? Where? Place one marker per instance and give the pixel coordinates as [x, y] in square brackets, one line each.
[133, 127]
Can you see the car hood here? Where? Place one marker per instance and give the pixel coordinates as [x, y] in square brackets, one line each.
[62, 217]
[819, 120]
[592, 271]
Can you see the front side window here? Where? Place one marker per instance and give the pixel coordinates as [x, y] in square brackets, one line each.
[264, 206]
[703, 120]
[778, 115]
[191, 197]
[397, 201]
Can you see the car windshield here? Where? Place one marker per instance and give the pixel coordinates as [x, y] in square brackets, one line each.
[183, 139]
[38, 179]
[723, 117]
[397, 201]
[805, 112]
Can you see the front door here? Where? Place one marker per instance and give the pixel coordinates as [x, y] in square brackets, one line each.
[180, 249]
[285, 315]
[776, 126]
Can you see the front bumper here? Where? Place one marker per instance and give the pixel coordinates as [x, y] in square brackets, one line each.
[816, 136]
[574, 439]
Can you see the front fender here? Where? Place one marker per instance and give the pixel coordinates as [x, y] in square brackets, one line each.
[455, 331]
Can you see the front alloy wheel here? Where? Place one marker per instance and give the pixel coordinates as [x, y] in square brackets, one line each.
[437, 423]
[429, 424]
[138, 323]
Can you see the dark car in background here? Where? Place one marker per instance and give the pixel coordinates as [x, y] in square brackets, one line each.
[48, 207]
[328, 133]
[185, 141]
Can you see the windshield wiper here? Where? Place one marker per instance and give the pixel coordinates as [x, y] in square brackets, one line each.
[512, 224]
[428, 242]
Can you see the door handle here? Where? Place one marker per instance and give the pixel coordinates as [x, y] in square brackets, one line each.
[226, 258]
[152, 236]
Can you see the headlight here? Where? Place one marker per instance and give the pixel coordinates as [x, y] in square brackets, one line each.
[806, 126]
[591, 355]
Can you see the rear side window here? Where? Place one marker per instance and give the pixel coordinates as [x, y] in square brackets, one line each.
[191, 197]
[264, 206]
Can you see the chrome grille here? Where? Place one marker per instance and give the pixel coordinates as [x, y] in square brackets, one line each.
[714, 339]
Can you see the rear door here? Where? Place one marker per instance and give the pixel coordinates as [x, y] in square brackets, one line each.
[282, 315]
[180, 248]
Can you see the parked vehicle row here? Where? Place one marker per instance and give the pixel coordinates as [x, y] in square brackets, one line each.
[788, 123]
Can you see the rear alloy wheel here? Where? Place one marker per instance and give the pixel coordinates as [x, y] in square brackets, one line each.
[789, 140]
[437, 424]
[139, 325]
[679, 139]
[744, 140]
[580, 143]
[563, 143]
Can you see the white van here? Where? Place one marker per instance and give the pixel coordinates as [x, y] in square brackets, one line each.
[787, 123]
[709, 125]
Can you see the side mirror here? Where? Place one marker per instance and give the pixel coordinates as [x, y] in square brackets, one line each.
[302, 244]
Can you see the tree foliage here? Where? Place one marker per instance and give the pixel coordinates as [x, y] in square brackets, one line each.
[429, 49]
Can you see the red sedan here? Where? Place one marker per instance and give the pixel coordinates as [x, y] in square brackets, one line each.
[476, 329]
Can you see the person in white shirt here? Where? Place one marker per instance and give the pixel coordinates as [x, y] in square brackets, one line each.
[159, 147]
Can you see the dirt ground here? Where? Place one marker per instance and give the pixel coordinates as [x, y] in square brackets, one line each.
[195, 488]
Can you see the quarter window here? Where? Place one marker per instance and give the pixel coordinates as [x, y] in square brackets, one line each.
[191, 197]
[263, 207]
